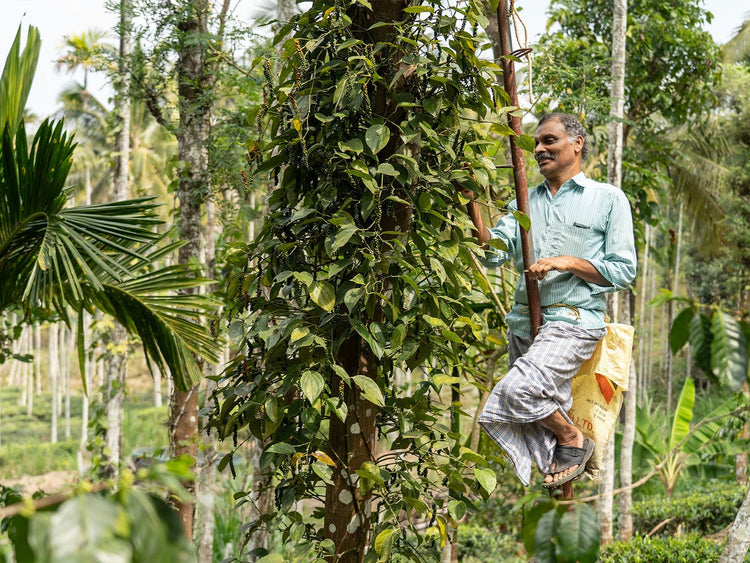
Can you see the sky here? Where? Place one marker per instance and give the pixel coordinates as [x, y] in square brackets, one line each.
[58, 18]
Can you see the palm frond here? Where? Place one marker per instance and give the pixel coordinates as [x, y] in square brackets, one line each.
[697, 175]
[169, 325]
[737, 49]
[18, 73]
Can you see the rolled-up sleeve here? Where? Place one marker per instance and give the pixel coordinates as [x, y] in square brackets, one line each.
[505, 231]
[617, 261]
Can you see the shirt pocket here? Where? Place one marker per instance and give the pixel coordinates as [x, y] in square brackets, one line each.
[579, 240]
[567, 240]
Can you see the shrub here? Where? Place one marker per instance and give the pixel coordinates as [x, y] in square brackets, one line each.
[703, 512]
[688, 549]
[479, 544]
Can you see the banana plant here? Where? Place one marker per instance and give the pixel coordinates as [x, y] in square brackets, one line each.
[682, 448]
[719, 341]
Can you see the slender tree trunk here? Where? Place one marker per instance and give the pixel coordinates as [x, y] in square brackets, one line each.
[196, 77]
[117, 362]
[25, 375]
[738, 540]
[69, 342]
[643, 332]
[740, 460]
[54, 376]
[614, 176]
[669, 362]
[606, 488]
[207, 485]
[38, 367]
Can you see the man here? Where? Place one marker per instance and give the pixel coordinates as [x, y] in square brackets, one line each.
[582, 235]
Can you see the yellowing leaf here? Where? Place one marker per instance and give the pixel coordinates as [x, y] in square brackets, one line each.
[299, 334]
[323, 295]
[324, 457]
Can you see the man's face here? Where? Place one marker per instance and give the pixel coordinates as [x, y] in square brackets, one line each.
[556, 154]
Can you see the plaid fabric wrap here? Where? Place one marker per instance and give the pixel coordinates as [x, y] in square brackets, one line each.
[537, 385]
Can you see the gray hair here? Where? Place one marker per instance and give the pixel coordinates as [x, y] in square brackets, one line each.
[573, 128]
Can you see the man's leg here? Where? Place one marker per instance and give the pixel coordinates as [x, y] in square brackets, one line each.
[567, 435]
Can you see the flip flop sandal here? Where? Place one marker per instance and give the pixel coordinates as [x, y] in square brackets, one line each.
[566, 457]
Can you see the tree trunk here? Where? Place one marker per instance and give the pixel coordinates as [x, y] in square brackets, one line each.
[194, 83]
[738, 540]
[261, 500]
[614, 176]
[207, 486]
[641, 368]
[54, 376]
[348, 510]
[69, 343]
[669, 363]
[117, 362]
[740, 460]
[606, 488]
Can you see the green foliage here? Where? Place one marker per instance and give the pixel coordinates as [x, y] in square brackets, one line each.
[129, 525]
[719, 343]
[561, 534]
[362, 255]
[705, 511]
[93, 257]
[687, 549]
[15, 82]
[476, 545]
[670, 75]
[672, 61]
[683, 448]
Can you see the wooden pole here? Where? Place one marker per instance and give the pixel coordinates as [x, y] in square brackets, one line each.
[519, 165]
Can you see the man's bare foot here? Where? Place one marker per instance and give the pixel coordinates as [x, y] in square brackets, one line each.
[567, 435]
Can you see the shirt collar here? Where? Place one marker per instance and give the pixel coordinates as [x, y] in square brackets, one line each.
[577, 180]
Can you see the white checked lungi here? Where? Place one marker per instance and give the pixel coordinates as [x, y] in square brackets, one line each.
[537, 385]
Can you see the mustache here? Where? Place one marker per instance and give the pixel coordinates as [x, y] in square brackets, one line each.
[543, 155]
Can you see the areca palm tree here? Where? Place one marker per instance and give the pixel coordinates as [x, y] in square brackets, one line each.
[54, 257]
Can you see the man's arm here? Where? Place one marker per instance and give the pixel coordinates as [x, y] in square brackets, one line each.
[472, 208]
[576, 266]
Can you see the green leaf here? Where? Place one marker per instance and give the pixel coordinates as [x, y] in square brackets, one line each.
[280, 448]
[370, 389]
[352, 297]
[680, 331]
[419, 9]
[323, 295]
[353, 145]
[728, 351]
[578, 535]
[457, 509]
[544, 537]
[304, 278]
[486, 478]
[312, 385]
[377, 137]
[371, 471]
[700, 341]
[89, 528]
[525, 142]
[530, 523]
[384, 544]
[684, 413]
[523, 220]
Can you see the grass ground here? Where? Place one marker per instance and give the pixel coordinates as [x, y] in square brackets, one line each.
[25, 441]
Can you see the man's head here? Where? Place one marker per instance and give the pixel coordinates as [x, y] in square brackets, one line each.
[561, 144]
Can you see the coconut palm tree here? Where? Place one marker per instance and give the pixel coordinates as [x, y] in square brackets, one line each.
[54, 257]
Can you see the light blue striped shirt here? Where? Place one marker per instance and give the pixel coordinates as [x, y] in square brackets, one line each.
[585, 219]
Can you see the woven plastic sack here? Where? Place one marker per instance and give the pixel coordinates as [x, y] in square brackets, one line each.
[598, 390]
